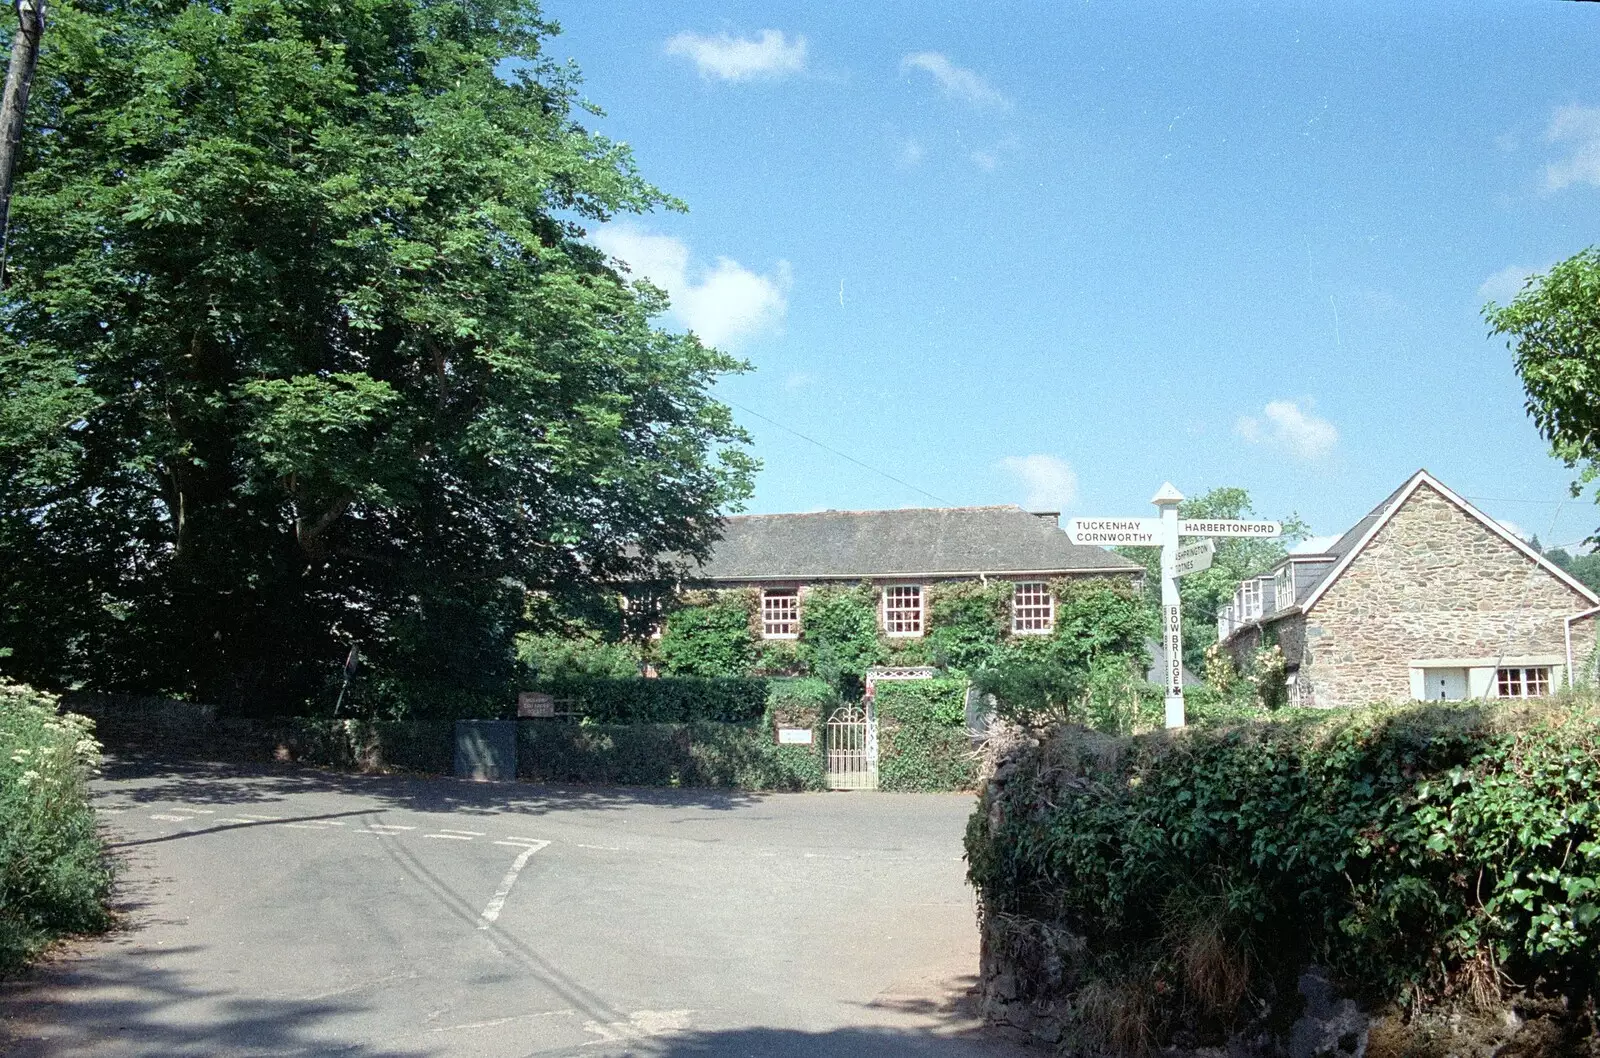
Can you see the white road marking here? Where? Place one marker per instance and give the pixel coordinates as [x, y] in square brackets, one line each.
[608, 848]
[202, 811]
[260, 819]
[304, 826]
[234, 819]
[640, 1024]
[388, 826]
[496, 902]
[332, 822]
[469, 833]
[172, 819]
[448, 837]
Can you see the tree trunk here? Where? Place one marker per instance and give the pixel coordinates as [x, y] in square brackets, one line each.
[14, 106]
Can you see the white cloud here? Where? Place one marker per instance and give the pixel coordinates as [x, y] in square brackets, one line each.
[1580, 127]
[1503, 287]
[1313, 545]
[1283, 424]
[1049, 482]
[728, 58]
[1513, 528]
[956, 82]
[724, 303]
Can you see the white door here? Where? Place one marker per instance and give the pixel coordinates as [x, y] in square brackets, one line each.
[1447, 685]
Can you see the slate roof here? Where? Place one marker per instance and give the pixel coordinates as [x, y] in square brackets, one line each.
[1352, 537]
[925, 541]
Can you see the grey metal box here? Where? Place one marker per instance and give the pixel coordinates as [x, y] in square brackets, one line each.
[486, 749]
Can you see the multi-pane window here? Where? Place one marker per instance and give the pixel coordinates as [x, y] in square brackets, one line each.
[1033, 611]
[780, 613]
[1250, 600]
[902, 610]
[1523, 682]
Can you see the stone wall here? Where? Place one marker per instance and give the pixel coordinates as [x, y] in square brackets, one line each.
[1434, 583]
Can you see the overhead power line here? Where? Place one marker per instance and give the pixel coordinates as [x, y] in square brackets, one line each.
[841, 455]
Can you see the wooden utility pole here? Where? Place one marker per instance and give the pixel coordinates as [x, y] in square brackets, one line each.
[14, 106]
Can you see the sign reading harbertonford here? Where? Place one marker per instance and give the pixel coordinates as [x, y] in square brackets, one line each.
[1164, 532]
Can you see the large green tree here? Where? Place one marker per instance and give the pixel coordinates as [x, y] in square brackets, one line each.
[1553, 328]
[1204, 594]
[303, 347]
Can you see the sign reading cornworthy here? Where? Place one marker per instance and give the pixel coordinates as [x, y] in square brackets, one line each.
[1128, 532]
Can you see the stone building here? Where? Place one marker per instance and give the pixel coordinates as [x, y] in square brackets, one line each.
[1426, 597]
[902, 553]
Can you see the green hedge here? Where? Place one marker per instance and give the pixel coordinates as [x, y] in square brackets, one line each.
[1418, 852]
[702, 753]
[923, 744]
[668, 700]
[53, 873]
[696, 753]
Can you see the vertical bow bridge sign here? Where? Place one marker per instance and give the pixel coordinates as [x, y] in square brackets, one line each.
[1165, 532]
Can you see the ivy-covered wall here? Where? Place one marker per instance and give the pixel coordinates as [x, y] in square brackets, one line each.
[968, 628]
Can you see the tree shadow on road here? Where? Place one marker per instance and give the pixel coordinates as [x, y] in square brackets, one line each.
[147, 780]
[128, 1003]
[832, 1043]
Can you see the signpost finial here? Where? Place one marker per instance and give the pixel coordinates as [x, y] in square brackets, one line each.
[1168, 494]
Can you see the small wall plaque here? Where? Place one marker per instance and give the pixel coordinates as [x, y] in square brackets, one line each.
[794, 736]
[534, 704]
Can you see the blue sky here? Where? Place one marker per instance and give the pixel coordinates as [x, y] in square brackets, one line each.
[1057, 253]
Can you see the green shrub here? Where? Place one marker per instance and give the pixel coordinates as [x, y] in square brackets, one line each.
[53, 873]
[1417, 851]
[702, 753]
[839, 633]
[923, 742]
[668, 700]
[554, 657]
[709, 641]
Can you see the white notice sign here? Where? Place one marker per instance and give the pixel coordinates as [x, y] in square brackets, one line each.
[794, 736]
[1128, 532]
[1193, 558]
[1227, 527]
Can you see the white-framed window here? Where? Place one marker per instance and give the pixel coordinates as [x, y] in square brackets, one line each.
[1523, 682]
[1033, 610]
[1250, 600]
[902, 610]
[780, 613]
[1283, 588]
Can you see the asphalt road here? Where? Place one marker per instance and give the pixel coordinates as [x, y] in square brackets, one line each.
[286, 912]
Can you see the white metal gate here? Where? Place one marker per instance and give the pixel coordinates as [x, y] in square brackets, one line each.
[852, 735]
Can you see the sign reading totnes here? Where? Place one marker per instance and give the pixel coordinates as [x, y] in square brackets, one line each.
[1193, 558]
[1127, 532]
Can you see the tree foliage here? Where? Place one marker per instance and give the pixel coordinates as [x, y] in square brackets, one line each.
[304, 348]
[1553, 327]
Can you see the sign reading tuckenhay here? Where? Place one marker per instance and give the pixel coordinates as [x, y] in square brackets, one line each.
[1176, 562]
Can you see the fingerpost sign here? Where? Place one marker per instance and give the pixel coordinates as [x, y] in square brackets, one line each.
[1165, 532]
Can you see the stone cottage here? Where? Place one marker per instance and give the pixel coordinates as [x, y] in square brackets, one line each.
[902, 553]
[1427, 598]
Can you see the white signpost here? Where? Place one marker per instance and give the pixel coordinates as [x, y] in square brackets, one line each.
[1164, 532]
